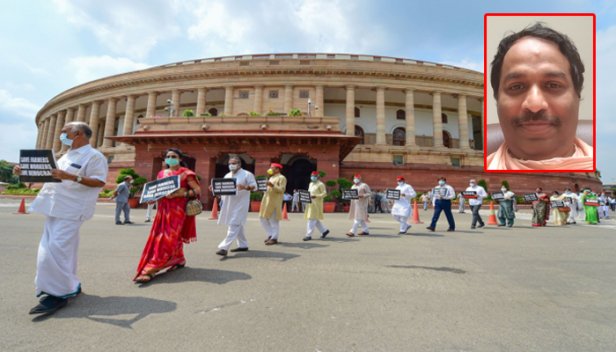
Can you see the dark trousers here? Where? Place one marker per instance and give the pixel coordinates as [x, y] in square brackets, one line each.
[476, 216]
[378, 207]
[443, 205]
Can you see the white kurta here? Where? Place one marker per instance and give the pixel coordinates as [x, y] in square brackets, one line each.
[402, 207]
[235, 208]
[572, 200]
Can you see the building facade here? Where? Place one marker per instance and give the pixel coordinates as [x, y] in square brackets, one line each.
[377, 116]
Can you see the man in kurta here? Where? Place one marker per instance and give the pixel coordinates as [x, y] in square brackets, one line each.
[359, 207]
[271, 205]
[590, 210]
[234, 210]
[572, 200]
[402, 209]
[66, 205]
[314, 210]
[461, 201]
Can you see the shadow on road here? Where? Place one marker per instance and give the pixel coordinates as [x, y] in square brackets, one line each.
[262, 254]
[186, 274]
[103, 309]
[305, 245]
[425, 234]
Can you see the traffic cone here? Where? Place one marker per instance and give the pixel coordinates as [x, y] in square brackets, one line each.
[492, 219]
[214, 210]
[22, 207]
[284, 213]
[415, 215]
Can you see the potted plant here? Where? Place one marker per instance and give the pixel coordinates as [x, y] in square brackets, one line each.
[252, 113]
[188, 113]
[255, 201]
[135, 187]
[295, 112]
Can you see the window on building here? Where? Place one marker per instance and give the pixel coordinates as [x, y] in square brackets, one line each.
[357, 112]
[444, 118]
[359, 132]
[244, 94]
[455, 161]
[398, 160]
[304, 94]
[273, 94]
[401, 114]
[213, 111]
[399, 136]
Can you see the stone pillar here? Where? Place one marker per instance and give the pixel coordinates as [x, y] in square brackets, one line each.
[151, 109]
[94, 112]
[110, 122]
[228, 100]
[320, 102]
[40, 127]
[437, 120]
[380, 116]
[70, 113]
[463, 121]
[43, 144]
[176, 96]
[258, 102]
[288, 98]
[129, 117]
[201, 101]
[350, 110]
[410, 116]
[81, 113]
[101, 130]
[50, 132]
[482, 125]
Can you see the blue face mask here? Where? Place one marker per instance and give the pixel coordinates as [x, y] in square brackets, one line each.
[441, 182]
[314, 178]
[172, 162]
[65, 140]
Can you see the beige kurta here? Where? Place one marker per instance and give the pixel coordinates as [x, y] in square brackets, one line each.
[560, 218]
[314, 210]
[272, 199]
[359, 207]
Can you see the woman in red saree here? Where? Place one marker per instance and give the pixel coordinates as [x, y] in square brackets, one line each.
[172, 227]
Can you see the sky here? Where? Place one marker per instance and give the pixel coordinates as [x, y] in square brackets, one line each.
[47, 47]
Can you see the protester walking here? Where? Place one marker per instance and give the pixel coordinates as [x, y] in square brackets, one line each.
[442, 196]
[121, 195]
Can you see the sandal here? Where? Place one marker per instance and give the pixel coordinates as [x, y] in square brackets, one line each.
[141, 278]
[176, 267]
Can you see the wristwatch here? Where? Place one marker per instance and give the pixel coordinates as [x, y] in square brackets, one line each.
[79, 178]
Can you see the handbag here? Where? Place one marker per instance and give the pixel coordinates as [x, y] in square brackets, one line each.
[193, 206]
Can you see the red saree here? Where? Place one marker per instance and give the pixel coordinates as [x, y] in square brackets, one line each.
[170, 230]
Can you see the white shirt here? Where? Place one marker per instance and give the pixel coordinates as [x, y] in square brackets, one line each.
[235, 208]
[451, 194]
[402, 207]
[481, 193]
[295, 197]
[68, 199]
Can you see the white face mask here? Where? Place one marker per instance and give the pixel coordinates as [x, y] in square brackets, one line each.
[233, 167]
[356, 180]
[400, 183]
[472, 184]
[503, 190]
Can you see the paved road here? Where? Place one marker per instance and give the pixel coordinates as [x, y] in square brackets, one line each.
[493, 289]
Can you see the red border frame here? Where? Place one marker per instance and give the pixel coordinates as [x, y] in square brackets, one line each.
[486, 82]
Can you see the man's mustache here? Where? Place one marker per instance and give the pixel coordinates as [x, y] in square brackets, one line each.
[539, 116]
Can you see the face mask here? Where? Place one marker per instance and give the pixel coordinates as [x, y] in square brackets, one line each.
[172, 162]
[65, 140]
[472, 184]
[441, 182]
[356, 180]
[400, 183]
[314, 178]
[270, 171]
[537, 192]
[233, 167]
[568, 192]
[503, 190]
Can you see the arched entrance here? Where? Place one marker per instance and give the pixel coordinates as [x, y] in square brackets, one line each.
[399, 136]
[222, 165]
[297, 170]
[446, 139]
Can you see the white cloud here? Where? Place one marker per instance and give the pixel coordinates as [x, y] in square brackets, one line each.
[89, 68]
[28, 87]
[127, 28]
[11, 107]
[15, 137]
[469, 64]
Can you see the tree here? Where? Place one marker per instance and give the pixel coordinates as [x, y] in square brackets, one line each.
[6, 172]
[483, 184]
[138, 183]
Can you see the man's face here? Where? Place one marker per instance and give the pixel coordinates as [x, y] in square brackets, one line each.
[537, 104]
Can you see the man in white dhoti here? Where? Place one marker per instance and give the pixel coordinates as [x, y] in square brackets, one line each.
[461, 201]
[234, 209]
[601, 207]
[83, 171]
[359, 207]
[572, 200]
[402, 209]
[314, 210]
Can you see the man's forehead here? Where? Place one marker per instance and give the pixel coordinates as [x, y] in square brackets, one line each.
[529, 55]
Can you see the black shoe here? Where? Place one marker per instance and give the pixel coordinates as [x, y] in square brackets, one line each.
[49, 304]
[307, 238]
[119, 223]
[325, 234]
[481, 225]
[147, 221]
[239, 249]
[472, 227]
[128, 222]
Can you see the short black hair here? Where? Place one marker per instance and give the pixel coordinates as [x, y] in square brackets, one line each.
[538, 30]
[442, 178]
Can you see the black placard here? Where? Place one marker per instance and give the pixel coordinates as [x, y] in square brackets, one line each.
[440, 191]
[350, 194]
[224, 187]
[557, 204]
[36, 165]
[469, 194]
[304, 196]
[158, 189]
[569, 200]
[261, 186]
[591, 202]
[530, 197]
[393, 194]
[498, 196]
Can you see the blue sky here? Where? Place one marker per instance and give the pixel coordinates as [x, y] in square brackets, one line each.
[50, 46]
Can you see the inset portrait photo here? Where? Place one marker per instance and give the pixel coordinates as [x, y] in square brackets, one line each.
[539, 80]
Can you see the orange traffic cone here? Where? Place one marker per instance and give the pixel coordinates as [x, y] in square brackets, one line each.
[22, 207]
[284, 213]
[214, 210]
[492, 219]
[415, 215]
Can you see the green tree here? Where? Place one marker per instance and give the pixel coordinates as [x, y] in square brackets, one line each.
[138, 183]
[483, 184]
[506, 184]
[6, 172]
